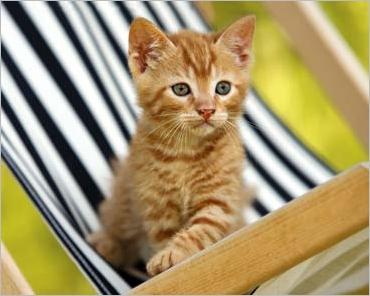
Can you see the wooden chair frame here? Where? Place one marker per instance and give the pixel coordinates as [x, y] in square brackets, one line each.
[299, 230]
[12, 280]
[328, 56]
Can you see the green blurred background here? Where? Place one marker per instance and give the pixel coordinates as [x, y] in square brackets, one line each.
[283, 81]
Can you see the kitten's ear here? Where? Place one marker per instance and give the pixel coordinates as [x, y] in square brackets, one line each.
[147, 44]
[237, 38]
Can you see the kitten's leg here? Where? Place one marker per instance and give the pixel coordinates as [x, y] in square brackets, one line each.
[161, 225]
[212, 220]
[118, 240]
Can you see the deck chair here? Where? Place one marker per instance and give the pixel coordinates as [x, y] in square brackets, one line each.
[68, 107]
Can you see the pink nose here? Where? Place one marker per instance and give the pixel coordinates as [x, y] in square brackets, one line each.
[206, 113]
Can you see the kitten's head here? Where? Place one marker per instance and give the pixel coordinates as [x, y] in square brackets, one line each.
[192, 80]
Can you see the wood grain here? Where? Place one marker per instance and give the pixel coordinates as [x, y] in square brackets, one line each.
[330, 59]
[279, 241]
[12, 280]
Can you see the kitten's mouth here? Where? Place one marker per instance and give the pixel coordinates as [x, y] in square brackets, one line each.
[204, 124]
[203, 127]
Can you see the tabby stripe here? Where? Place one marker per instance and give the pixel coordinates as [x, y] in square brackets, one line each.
[212, 186]
[209, 221]
[165, 175]
[173, 206]
[180, 241]
[155, 215]
[209, 235]
[164, 234]
[191, 63]
[172, 211]
[220, 167]
[157, 201]
[170, 260]
[165, 157]
[206, 177]
[151, 103]
[162, 156]
[166, 191]
[195, 240]
[212, 202]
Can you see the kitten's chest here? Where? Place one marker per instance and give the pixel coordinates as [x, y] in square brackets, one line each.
[166, 186]
[179, 184]
[162, 182]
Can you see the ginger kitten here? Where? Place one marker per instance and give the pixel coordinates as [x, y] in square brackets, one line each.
[180, 189]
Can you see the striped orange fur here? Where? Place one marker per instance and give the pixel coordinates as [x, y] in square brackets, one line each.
[181, 187]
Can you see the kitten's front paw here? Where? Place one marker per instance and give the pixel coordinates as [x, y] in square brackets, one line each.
[164, 259]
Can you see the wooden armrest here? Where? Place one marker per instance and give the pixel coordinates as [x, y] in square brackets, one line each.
[301, 229]
[329, 58]
[12, 280]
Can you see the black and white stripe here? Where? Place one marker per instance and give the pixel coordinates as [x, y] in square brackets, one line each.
[84, 256]
[68, 108]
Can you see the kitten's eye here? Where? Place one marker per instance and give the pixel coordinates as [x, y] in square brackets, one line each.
[223, 88]
[181, 89]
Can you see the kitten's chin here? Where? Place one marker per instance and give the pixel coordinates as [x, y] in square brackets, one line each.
[203, 129]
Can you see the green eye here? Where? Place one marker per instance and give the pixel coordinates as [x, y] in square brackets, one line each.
[181, 89]
[223, 88]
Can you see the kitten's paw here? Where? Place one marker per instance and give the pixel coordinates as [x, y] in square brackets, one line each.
[107, 247]
[164, 259]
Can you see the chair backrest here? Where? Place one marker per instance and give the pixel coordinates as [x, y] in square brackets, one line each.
[68, 107]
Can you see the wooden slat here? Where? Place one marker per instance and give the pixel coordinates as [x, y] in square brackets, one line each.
[329, 58]
[12, 280]
[279, 241]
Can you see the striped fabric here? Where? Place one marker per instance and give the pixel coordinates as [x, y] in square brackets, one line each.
[342, 269]
[68, 107]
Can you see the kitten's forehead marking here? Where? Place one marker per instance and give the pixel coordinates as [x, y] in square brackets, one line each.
[196, 51]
